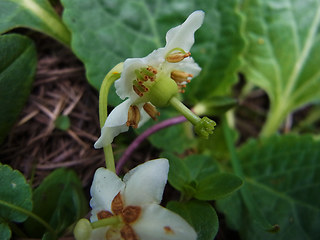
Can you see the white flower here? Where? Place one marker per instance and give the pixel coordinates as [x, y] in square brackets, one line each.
[152, 81]
[136, 201]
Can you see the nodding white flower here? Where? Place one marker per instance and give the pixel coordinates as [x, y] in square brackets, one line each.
[135, 200]
[152, 81]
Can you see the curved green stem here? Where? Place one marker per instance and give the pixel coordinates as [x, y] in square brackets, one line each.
[109, 79]
[29, 214]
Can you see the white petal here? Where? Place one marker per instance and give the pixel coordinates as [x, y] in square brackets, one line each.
[182, 36]
[157, 222]
[124, 84]
[145, 183]
[105, 186]
[114, 125]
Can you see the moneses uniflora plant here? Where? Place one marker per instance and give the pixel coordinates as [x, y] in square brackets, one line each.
[129, 209]
[154, 81]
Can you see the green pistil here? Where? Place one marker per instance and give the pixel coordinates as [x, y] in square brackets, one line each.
[106, 222]
[202, 126]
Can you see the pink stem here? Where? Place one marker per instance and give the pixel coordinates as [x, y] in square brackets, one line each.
[166, 123]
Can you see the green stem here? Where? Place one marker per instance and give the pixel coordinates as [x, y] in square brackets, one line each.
[244, 191]
[109, 79]
[105, 222]
[54, 26]
[29, 214]
[276, 117]
[179, 106]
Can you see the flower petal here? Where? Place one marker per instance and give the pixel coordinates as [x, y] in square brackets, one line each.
[114, 125]
[105, 186]
[145, 183]
[124, 84]
[157, 222]
[182, 36]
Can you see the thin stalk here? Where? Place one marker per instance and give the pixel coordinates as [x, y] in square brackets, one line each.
[105, 222]
[180, 107]
[133, 146]
[109, 79]
[29, 214]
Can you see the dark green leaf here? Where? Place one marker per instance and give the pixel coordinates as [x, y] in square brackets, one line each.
[200, 215]
[282, 57]
[58, 200]
[122, 29]
[5, 232]
[34, 14]
[283, 177]
[216, 186]
[15, 195]
[17, 68]
[198, 176]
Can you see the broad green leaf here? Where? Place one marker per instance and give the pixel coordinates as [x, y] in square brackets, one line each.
[108, 32]
[200, 215]
[217, 186]
[198, 176]
[283, 54]
[15, 195]
[35, 14]
[59, 200]
[176, 138]
[283, 176]
[17, 68]
[5, 232]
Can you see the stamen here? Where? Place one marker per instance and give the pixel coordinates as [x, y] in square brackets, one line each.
[133, 116]
[177, 57]
[151, 110]
[137, 91]
[181, 77]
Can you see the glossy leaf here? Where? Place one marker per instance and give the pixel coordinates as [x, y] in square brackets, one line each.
[283, 177]
[198, 176]
[200, 215]
[282, 57]
[17, 68]
[59, 200]
[15, 195]
[122, 29]
[35, 14]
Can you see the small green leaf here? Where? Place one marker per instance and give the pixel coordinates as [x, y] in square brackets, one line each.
[282, 54]
[200, 215]
[5, 232]
[15, 195]
[123, 29]
[34, 14]
[217, 186]
[58, 200]
[17, 68]
[62, 123]
[198, 176]
[282, 175]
